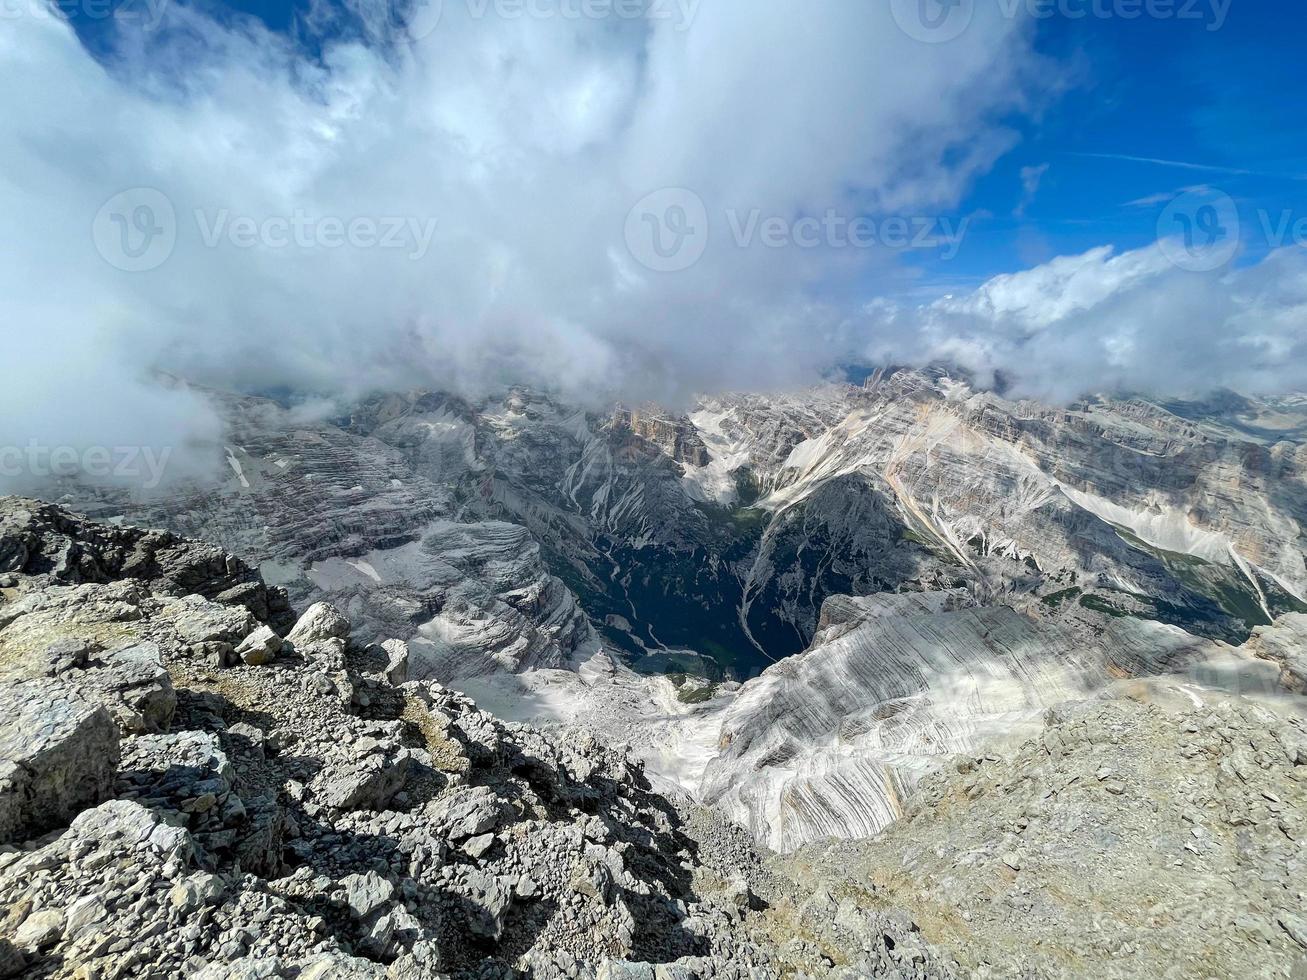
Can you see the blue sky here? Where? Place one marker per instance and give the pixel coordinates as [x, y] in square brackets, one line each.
[1219, 101]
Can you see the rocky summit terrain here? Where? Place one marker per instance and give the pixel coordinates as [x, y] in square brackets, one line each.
[195, 782]
[186, 791]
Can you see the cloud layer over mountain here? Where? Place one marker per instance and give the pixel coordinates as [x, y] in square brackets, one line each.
[452, 200]
[1128, 322]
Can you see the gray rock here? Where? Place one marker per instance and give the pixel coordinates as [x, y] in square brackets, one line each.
[196, 892]
[260, 647]
[467, 813]
[367, 783]
[489, 901]
[65, 655]
[397, 655]
[622, 970]
[58, 755]
[133, 683]
[321, 621]
[123, 824]
[391, 933]
[40, 930]
[366, 893]
[83, 914]
[1295, 926]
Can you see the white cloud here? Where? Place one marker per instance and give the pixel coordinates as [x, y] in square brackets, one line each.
[1031, 178]
[1107, 322]
[526, 140]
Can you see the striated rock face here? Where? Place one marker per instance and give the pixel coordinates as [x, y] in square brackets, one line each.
[470, 599]
[517, 535]
[340, 515]
[829, 743]
[675, 438]
[1284, 644]
[709, 542]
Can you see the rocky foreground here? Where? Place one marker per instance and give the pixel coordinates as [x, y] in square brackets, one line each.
[195, 782]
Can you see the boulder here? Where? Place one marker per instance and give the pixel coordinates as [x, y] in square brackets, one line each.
[321, 621]
[366, 893]
[58, 755]
[488, 899]
[466, 813]
[396, 661]
[260, 647]
[124, 826]
[368, 783]
[41, 930]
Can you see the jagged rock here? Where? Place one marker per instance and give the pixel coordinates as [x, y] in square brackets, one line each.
[467, 813]
[369, 780]
[40, 930]
[65, 655]
[619, 970]
[135, 685]
[124, 824]
[366, 893]
[387, 936]
[1295, 926]
[260, 647]
[43, 540]
[196, 892]
[397, 655]
[216, 654]
[489, 900]
[58, 754]
[321, 621]
[199, 621]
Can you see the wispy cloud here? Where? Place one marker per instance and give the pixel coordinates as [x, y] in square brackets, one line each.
[1165, 197]
[1188, 165]
[1031, 178]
